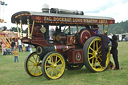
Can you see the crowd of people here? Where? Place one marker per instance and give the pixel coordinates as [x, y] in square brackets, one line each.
[14, 49]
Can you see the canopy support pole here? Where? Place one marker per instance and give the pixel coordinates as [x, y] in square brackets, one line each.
[32, 28]
[18, 29]
[21, 30]
[29, 36]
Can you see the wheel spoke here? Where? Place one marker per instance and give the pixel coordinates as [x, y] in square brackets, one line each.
[91, 53]
[30, 65]
[35, 71]
[95, 63]
[48, 66]
[99, 48]
[32, 68]
[94, 45]
[91, 57]
[56, 72]
[38, 69]
[49, 61]
[34, 58]
[58, 69]
[50, 70]
[52, 59]
[92, 61]
[99, 57]
[58, 61]
[99, 63]
[91, 49]
[31, 61]
[59, 65]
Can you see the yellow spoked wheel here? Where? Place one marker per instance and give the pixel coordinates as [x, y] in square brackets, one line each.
[53, 65]
[92, 55]
[33, 65]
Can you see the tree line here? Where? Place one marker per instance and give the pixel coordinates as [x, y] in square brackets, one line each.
[117, 28]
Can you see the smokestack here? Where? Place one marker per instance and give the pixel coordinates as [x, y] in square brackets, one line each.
[45, 8]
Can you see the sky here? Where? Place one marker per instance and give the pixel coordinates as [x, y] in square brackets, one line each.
[109, 8]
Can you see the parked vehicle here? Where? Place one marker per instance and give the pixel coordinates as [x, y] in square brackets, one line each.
[66, 49]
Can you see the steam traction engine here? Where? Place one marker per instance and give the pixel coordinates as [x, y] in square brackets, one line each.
[65, 49]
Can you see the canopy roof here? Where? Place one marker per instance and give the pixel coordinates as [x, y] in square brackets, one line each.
[53, 18]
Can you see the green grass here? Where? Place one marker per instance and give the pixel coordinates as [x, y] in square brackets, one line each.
[14, 73]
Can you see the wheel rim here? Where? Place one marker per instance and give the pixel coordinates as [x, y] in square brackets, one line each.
[94, 55]
[34, 65]
[54, 66]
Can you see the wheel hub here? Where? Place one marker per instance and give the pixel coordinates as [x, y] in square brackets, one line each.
[35, 64]
[53, 65]
[95, 53]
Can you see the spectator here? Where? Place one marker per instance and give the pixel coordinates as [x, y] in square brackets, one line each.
[20, 45]
[16, 53]
[12, 45]
[114, 51]
[26, 47]
[95, 29]
[30, 48]
[3, 48]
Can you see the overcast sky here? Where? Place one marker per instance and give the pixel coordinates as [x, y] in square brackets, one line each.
[110, 8]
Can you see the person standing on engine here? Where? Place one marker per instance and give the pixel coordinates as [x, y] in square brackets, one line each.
[104, 48]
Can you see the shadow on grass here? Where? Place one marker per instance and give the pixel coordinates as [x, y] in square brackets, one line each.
[67, 74]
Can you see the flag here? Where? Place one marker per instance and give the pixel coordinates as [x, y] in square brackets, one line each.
[0, 2]
[3, 3]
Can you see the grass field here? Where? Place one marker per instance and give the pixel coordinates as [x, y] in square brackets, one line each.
[14, 73]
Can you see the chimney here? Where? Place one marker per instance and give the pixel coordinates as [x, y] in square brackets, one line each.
[45, 8]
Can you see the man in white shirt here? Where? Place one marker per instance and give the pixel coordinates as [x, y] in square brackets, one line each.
[26, 46]
[20, 45]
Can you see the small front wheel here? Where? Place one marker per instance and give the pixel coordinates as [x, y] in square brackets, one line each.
[33, 65]
[53, 65]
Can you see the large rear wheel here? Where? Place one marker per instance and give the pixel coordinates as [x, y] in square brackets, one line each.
[33, 65]
[92, 55]
[53, 65]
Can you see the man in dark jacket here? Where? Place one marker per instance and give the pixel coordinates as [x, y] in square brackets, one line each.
[114, 51]
[104, 48]
[12, 45]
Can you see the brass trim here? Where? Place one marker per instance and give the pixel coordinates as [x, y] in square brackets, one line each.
[103, 27]
[77, 28]
[17, 28]
[32, 28]
[108, 27]
[29, 36]
[55, 48]
[21, 30]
